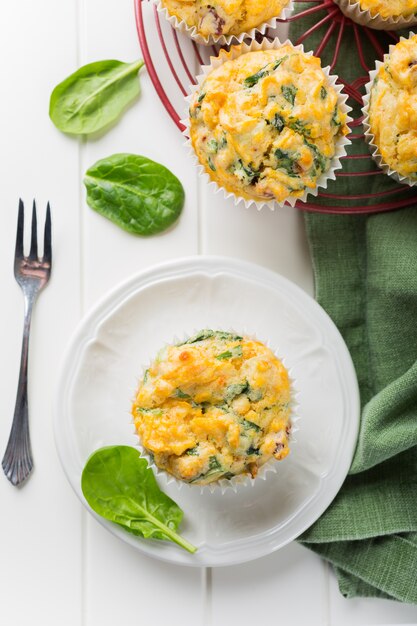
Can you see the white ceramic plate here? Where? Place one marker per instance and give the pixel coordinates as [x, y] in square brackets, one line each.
[112, 344]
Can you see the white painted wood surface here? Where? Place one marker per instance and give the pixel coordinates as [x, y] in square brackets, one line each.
[58, 566]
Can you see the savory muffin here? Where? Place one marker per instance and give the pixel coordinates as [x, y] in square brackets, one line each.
[265, 125]
[388, 8]
[393, 109]
[214, 407]
[213, 18]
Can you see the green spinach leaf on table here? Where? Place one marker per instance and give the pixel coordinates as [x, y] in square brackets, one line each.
[119, 486]
[94, 96]
[139, 195]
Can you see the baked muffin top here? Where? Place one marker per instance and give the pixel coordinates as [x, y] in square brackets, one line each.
[213, 18]
[265, 125]
[388, 8]
[393, 108]
[214, 407]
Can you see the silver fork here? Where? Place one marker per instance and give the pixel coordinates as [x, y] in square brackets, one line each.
[32, 274]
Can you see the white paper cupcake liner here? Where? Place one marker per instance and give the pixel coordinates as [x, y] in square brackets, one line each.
[365, 17]
[242, 480]
[369, 136]
[223, 40]
[340, 147]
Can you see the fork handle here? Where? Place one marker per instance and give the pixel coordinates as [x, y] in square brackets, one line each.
[17, 461]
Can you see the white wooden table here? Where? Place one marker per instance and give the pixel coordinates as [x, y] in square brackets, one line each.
[58, 565]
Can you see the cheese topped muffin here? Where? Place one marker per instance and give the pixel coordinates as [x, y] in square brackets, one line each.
[214, 407]
[388, 8]
[265, 125]
[213, 18]
[393, 109]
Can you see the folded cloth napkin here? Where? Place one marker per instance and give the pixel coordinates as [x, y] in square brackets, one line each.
[365, 271]
[366, 278]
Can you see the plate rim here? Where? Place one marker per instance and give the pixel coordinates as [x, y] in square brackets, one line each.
[113, 299]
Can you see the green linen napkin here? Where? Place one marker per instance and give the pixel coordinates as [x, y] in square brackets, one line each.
[365, 271]
[366, 278]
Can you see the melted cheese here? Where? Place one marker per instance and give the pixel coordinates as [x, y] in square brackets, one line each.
[214, 407]
[393, 109]
[224, 17]
[265, 125]
[388, 8]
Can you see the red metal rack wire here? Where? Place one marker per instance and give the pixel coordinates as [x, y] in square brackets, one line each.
[323, 22]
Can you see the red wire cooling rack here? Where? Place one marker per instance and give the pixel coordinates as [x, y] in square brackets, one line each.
[319, 20]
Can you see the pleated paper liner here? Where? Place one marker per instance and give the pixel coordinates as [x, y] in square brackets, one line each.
[356, 13]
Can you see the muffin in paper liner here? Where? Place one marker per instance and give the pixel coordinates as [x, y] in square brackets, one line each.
[369, 137]
[241, 480]
[223, 40]
[340, 145]
[364, 17]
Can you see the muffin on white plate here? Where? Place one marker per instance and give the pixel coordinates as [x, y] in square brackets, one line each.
[214, 408]
[390, 111]
[381, 14]
[224, 21]
[268, 124]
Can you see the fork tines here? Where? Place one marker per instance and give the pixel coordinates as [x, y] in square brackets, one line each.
[19, 233]
[33, 253]
[47, 248]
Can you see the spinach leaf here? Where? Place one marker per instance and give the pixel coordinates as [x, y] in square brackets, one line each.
[178, 393]
[254, 395]
[137, 194]
[248, 425]
[233, 353]
[94, 96]
[278, 122]
[192, 451]
[212, 146]
[140, 409]
[320, 161]
[214, 468]
[235, 390]
[335, 117]
[210, 163]
[119, 486]
[323, 93]
[245, 173]
[286, 162]
[277, 63]
[202, 335]
[225, 336]
[298, 126]
[289, 92]
[251, 174]
[250, 81]
[214, 463]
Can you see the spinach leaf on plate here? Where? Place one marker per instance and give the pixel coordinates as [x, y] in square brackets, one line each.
[119, 486]
[139, 195]
[94, 96]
